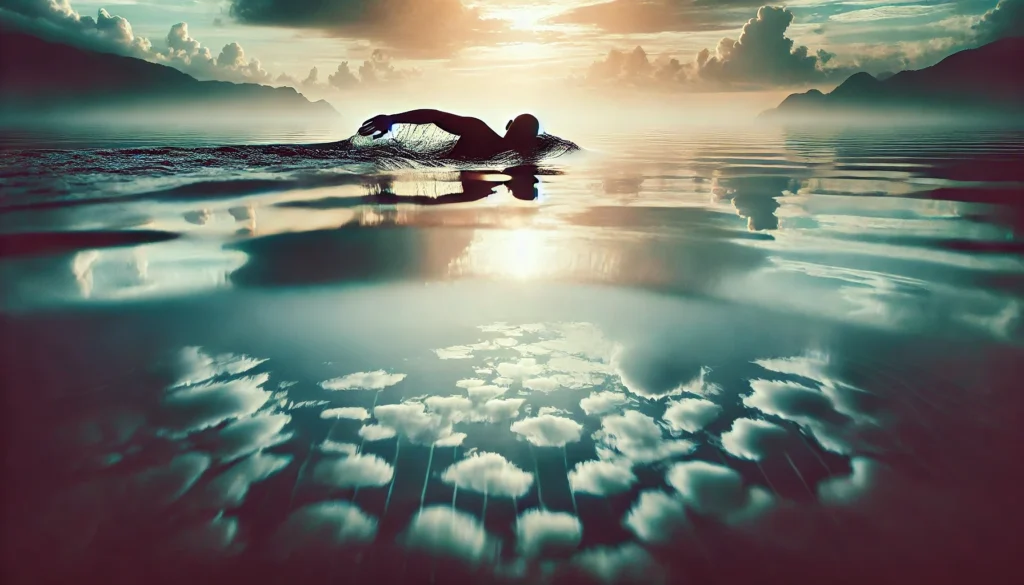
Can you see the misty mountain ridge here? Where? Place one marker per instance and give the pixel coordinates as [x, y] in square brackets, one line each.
[42, 79]
[972, 84]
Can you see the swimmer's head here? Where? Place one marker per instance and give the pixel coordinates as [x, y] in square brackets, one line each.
[522, 132]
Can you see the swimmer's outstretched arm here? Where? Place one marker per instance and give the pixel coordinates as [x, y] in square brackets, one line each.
[450, 123]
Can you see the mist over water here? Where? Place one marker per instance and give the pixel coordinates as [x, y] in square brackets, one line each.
[709, 355]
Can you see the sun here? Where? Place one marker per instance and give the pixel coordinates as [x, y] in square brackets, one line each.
[529, 17]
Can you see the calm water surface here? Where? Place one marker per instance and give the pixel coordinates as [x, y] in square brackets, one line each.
[698, 357]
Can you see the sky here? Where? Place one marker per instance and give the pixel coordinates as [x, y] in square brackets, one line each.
[463, 52]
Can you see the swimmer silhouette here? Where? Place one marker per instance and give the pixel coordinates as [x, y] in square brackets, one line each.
[476, 139]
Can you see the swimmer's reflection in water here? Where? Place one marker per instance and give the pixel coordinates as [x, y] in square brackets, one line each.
[476, 185]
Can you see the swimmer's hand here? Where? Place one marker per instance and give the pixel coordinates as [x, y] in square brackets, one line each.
[377, 126]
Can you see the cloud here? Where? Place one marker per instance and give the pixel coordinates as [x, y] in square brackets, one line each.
[485, 393]
[599, 403]
[373, 72]
[246, 436]
[1006, 19]
[349, 412]
[654, 16]
[627, 563]
[522, 369]
[499, 409]
[353, 471]
[763, 54]
[453, 408]
[324, 524]
[548, 431]
[602, 478]
[342, 78]
[637, 437]
[762, 57]
[540, 533]
[691, 414]
[377, 380]
[195, 408]
[194, 366]
[228, 490]
[754, 439]
[805, 406]
[422, 28]
[413, 422]
[489, 473]
[654, 372]
[441, 530]
[57, 20]
[716, 490]
[376, 432]
[708, 488]
[657, 517]
[189, 55]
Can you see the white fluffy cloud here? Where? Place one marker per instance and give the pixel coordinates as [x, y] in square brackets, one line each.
[324, 524]
[639, 438]
[489, 473]
[349, 412]
[442, 531]
[754, 439]
[413, 422]
[542, 533]
[499, 410]
[691, 414]
[376, 432]
[377, 380]
[548, 430]
[602, 478]
[520, 370]
[353, 471]
[599, 403]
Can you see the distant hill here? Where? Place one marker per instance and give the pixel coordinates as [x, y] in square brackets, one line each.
[40, 78]
[984, 82]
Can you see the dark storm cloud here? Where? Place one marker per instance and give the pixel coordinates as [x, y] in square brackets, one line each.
[1005, 20]
[652, 16]
[421, 27]
[762, 56]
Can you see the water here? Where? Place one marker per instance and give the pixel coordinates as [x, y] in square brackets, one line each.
[703, 356]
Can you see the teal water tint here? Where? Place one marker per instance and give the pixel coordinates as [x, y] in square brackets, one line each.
[706, 357]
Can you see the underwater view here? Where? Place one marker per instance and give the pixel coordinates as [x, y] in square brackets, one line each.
[767, 356]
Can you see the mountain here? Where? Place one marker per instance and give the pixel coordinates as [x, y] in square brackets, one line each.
[983, 82]
[40, 79]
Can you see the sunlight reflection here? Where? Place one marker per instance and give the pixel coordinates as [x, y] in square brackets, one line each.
[534, 254]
